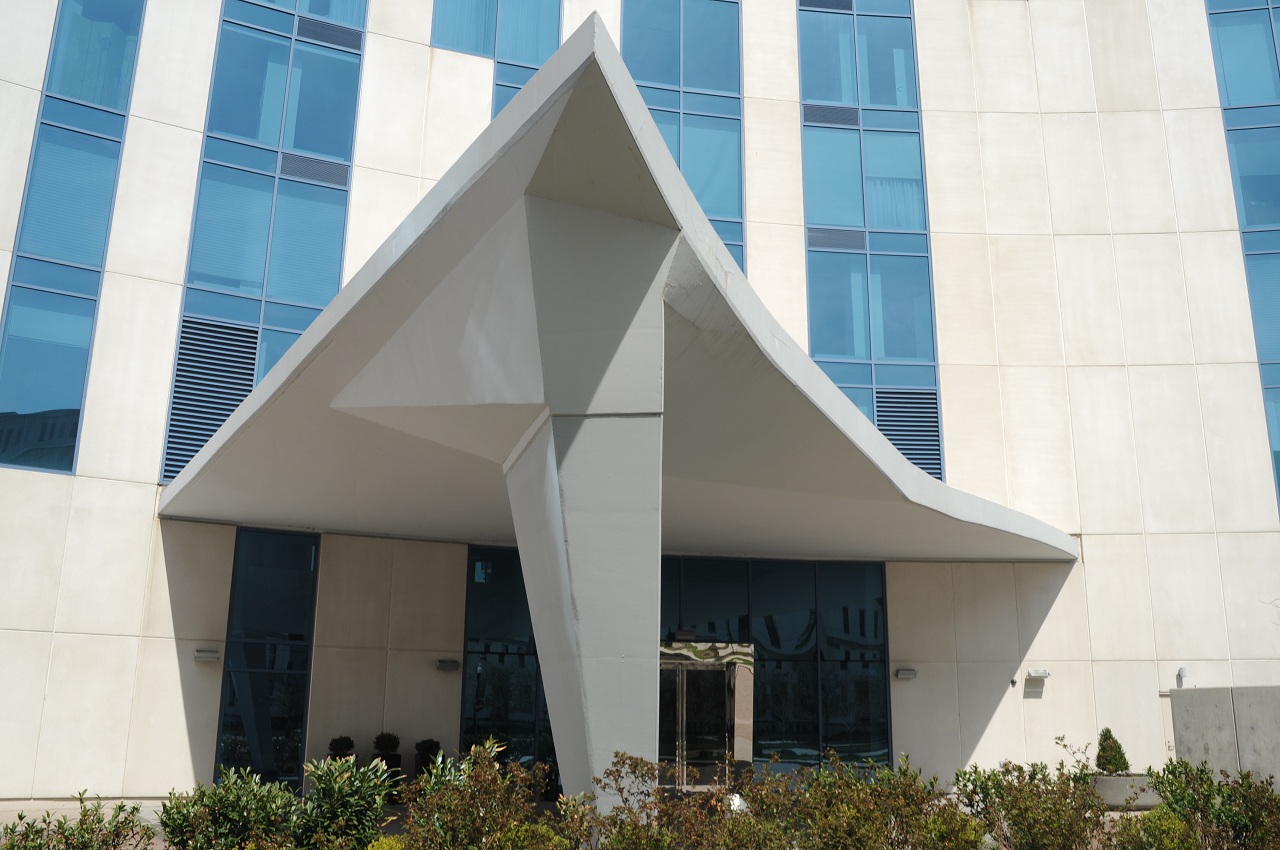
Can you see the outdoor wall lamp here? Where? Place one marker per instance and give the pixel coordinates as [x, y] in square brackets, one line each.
[1038, 673]
[905, 673]
[448, 665]
[213, 654]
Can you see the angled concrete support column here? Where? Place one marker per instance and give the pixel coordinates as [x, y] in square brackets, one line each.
[586, 499]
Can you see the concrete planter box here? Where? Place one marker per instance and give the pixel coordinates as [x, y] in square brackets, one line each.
[1116, 791]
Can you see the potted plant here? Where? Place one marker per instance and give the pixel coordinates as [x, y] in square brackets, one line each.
[341, 747]
[427, 750]
[386, 746]
[1119, 788]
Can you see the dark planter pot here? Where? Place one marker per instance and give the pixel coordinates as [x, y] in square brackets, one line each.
[391, 760]
[420, 763]
[1126, 792]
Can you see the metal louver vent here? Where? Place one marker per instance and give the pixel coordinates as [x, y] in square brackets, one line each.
[909, 418]
[333, 173]
[842, 5]
[839, 116]
[839, 240]
[330, 34]
[215, 371]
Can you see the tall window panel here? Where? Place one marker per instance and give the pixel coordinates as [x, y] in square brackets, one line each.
[1244, 33]
[871, 322]
[686, 56]
[267, 670]
[271, 211]
[56, 274]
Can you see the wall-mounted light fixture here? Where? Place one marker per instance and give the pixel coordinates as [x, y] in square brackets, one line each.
[207, 654]
[1183, 673]
[448, 665]
[1037, 673]
[905, 673]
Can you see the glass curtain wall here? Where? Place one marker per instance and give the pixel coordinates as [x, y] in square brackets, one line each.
[502, 694]
[1243, 33]
[819, 633]
[56, 273]
[266, 673]
[686, 57]
[871, 325]
[270, 217]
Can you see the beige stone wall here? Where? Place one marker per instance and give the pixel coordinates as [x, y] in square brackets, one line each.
[1097, 371]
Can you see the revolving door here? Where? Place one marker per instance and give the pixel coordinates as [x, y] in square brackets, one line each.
[706, 701]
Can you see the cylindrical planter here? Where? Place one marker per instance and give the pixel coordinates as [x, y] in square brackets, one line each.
[1126, 792]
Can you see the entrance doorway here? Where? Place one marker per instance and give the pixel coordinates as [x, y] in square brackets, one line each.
[706, 702]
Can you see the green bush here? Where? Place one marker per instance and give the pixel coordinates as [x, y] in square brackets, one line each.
[1032, 807]
[530, 836]
[1158, 829]
[343, 809]
[387, 842]
[341, 746]
[386, 743]
[239, 810]
[1229, 813]
[95, 829]
[1111, 757]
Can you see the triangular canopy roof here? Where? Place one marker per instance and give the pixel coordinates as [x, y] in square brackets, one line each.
[395, 413]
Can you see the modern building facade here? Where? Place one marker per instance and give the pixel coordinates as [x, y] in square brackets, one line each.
[432, 367]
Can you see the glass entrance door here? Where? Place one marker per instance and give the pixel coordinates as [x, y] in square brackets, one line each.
[703, 723]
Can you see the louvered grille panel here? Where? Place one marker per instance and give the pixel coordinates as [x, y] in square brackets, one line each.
[910, 420]
[330, 34]
[319, 170]
[839, 116]
[839, 240]
[215, 371]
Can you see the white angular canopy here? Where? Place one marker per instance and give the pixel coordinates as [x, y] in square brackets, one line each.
[563, 268]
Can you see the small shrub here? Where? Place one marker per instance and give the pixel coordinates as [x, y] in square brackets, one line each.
[239, 810]
[1158, 829]
[428, 748]
[1032, 807]
[94, 829]
[387, 842]
[1231, 812]
[530, 836]
[386, 743]
[343, 809]
[341, 746]
[1111, 757]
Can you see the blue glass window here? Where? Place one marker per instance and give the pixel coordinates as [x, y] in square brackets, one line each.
[838, 323]
[832, 177]
[651, 45]
[711, 157]
[80, 117]
[69, 192]
[827, 58]
[712, 60]
[894, 181]
[271, 347]
[1255, 165]
[233, 220]
[44, 358]
[94, 49]
[669, 125]
[56, 276]
[1264, 298]
[349, 13]
[1247, 69]
[1271, 400]
[249, 85]
[528, 30]
[886, 62]
[306, 243]
[468, 26]
[321, 114]
[901, 308]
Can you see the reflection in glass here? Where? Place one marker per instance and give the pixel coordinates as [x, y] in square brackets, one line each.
[711, 158]
[69, 191]
[233, 220]
[528, 30]
[44, 356]
[349, 13]
[306, 243]
[1264, 299]
[1255, 160]
[249, 85]
[826, 58]
[895, 181]
[784, 621]
[94, 49]
[852, 612]
[714, 599]
[855, 714]
[500, 700]
[273, 597]
[786, 711]
[321, 114]
[901, 310]
[886, 62]
[651, 40]
[271, 347]
[711, 54]
[467, 26]
[263, 717]
[832, 177]
[1247, 69]
[669, 125]
[497, 608]
[838, 322]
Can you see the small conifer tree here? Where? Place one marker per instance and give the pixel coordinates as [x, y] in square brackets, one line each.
[1111, 757]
